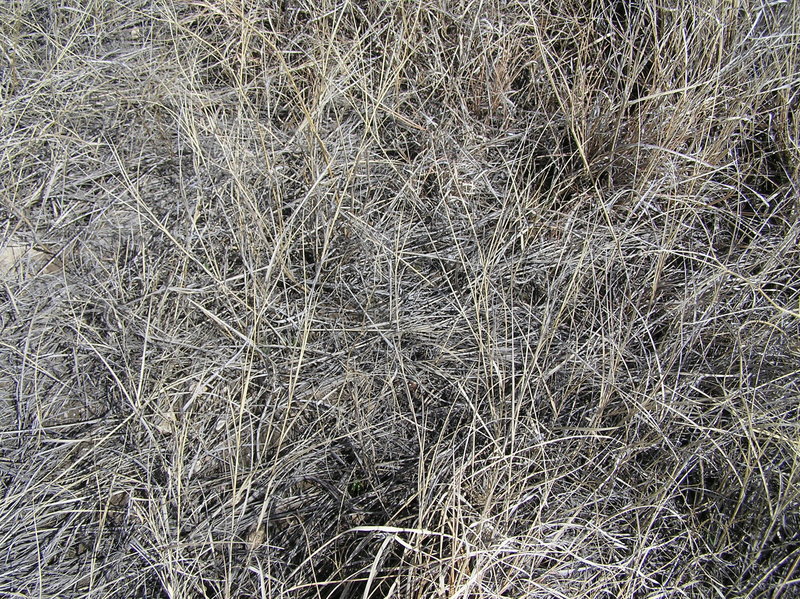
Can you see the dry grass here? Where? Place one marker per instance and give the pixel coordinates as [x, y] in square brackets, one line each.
[400, 299]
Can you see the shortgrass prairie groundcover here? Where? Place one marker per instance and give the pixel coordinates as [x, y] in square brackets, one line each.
[368, 299]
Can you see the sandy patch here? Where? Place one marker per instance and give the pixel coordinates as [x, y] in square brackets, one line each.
[20, 259]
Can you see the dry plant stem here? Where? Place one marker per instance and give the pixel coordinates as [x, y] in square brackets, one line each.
[370, 299]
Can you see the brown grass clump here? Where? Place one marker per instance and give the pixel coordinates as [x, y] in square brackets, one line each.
[400, 299]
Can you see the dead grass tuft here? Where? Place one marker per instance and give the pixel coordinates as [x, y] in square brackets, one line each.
[399, 299]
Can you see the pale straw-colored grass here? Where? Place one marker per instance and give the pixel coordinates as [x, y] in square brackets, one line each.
[399, 299]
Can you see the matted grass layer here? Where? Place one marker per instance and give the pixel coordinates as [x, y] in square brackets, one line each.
[399, 299]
